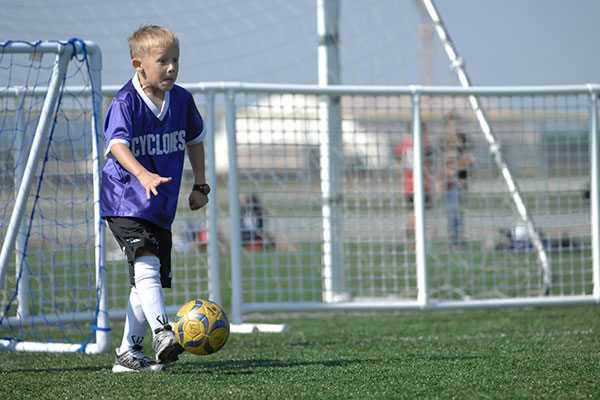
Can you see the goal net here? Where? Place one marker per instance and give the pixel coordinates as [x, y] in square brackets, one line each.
[52, 287]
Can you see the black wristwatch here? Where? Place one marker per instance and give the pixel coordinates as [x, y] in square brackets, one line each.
[202, 188]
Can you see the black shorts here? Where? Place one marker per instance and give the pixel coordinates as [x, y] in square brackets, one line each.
[134, 233]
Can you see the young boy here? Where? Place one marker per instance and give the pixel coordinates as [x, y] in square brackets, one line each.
[148, 126]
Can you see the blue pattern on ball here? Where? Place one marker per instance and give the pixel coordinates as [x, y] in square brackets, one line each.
[194, 315]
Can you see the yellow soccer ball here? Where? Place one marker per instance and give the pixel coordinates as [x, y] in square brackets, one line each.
[201, 327]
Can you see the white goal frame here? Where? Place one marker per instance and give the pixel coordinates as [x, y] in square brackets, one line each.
[63, 53]
[338, 301]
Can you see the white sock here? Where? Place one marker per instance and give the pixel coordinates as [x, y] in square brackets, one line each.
[136, 325]
[150, 291]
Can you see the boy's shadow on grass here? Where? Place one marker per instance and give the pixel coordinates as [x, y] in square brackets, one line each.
[235, 367]
[241, 367]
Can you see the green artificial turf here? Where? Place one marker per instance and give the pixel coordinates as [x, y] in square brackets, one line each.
[499, 353]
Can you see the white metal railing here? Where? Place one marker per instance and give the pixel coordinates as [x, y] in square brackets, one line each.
[230, 90]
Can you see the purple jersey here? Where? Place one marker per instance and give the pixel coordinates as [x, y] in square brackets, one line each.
[157, 139]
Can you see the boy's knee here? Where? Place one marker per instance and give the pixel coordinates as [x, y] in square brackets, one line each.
[144, 252]
[146, 267]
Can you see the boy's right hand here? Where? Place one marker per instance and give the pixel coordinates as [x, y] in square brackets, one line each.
[151, 181]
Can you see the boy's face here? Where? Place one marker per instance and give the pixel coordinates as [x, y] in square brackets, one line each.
[158, 69]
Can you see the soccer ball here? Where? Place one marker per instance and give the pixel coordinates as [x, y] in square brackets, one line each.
[201, 327]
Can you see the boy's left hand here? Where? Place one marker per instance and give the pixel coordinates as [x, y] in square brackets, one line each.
[197, 200]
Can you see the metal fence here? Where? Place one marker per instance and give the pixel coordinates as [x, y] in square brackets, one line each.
[314, 205]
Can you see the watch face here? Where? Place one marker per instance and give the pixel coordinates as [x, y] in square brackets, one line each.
[203, 188]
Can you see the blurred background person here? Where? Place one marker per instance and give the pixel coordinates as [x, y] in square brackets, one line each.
[456, 162]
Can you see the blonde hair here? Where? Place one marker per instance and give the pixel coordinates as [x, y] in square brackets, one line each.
[148, 37]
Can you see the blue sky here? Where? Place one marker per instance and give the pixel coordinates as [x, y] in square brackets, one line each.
[516, 42]
[508, 42]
